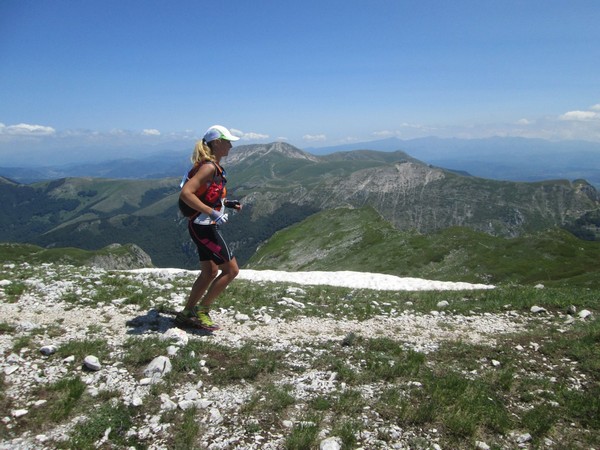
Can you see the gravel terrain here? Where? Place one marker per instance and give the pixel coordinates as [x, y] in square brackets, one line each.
[64, 296]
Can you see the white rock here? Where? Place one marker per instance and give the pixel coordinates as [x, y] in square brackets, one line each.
[192, 395]
[168, 404]
[266, 318]
[242, 317]
[159, 366]
[172, 350]
[145, 381]
[442, 304]
[186, 404]
[181, 337]
[203, 403]
[13, 358]
[295, 290]
[11, 369]
[537, 309]
[19, 412]
[331, 443]
[92, 363]
[5, 282]
[48, 350]
[215, 416]
[69, 359]
[584, 314]
[495, 363]
[481, 446]
[524, 438]
[137, 401]
[93, 391]
[291, 302]
[27, 326]
[539, 286]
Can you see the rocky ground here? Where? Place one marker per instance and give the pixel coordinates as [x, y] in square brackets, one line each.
[68, 299]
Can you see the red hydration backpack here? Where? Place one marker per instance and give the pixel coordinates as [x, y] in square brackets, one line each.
[210, 193]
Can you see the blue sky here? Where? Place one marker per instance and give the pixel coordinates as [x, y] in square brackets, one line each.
[132, 75]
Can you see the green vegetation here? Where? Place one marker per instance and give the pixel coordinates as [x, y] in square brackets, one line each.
[187, 430]
[230, 365]
[83, 348]
[542, 379]
[62, 398]
[358, 239]
[113, 417]
[6, 328]
[33, 254]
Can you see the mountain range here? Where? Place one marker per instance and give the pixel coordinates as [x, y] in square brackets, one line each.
[281, 185]
[499, 158]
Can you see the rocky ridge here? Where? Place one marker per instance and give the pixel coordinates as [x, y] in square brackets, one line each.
[68, 297]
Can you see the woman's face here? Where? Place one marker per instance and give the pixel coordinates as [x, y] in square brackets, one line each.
[221, 147]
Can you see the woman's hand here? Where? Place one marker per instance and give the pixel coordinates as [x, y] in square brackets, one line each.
[233, 204]
[219, 217]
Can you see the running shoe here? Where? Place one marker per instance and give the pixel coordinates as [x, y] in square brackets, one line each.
[189, 319]
[204, 318]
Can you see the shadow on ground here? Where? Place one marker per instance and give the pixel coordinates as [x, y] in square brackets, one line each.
[159, 322]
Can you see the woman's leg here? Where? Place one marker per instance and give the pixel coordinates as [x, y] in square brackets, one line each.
[229, 270]
[208, 273]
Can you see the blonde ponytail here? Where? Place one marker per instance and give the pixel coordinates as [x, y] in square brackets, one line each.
[202, 152]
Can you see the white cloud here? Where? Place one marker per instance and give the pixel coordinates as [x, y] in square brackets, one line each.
[25, 129]
[385, 134]
[580, 115]
[592, 113]
[314, 137]
[151, 132]
[254, 136]
[237, 133]
[524, 122]
[118, 132]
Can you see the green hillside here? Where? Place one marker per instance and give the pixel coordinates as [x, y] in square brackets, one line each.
[359, 239]
[279, 186]
[112, 257]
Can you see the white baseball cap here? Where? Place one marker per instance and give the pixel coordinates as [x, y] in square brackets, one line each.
[218, 132]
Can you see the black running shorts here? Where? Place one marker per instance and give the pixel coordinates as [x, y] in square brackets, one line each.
[211, 245]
